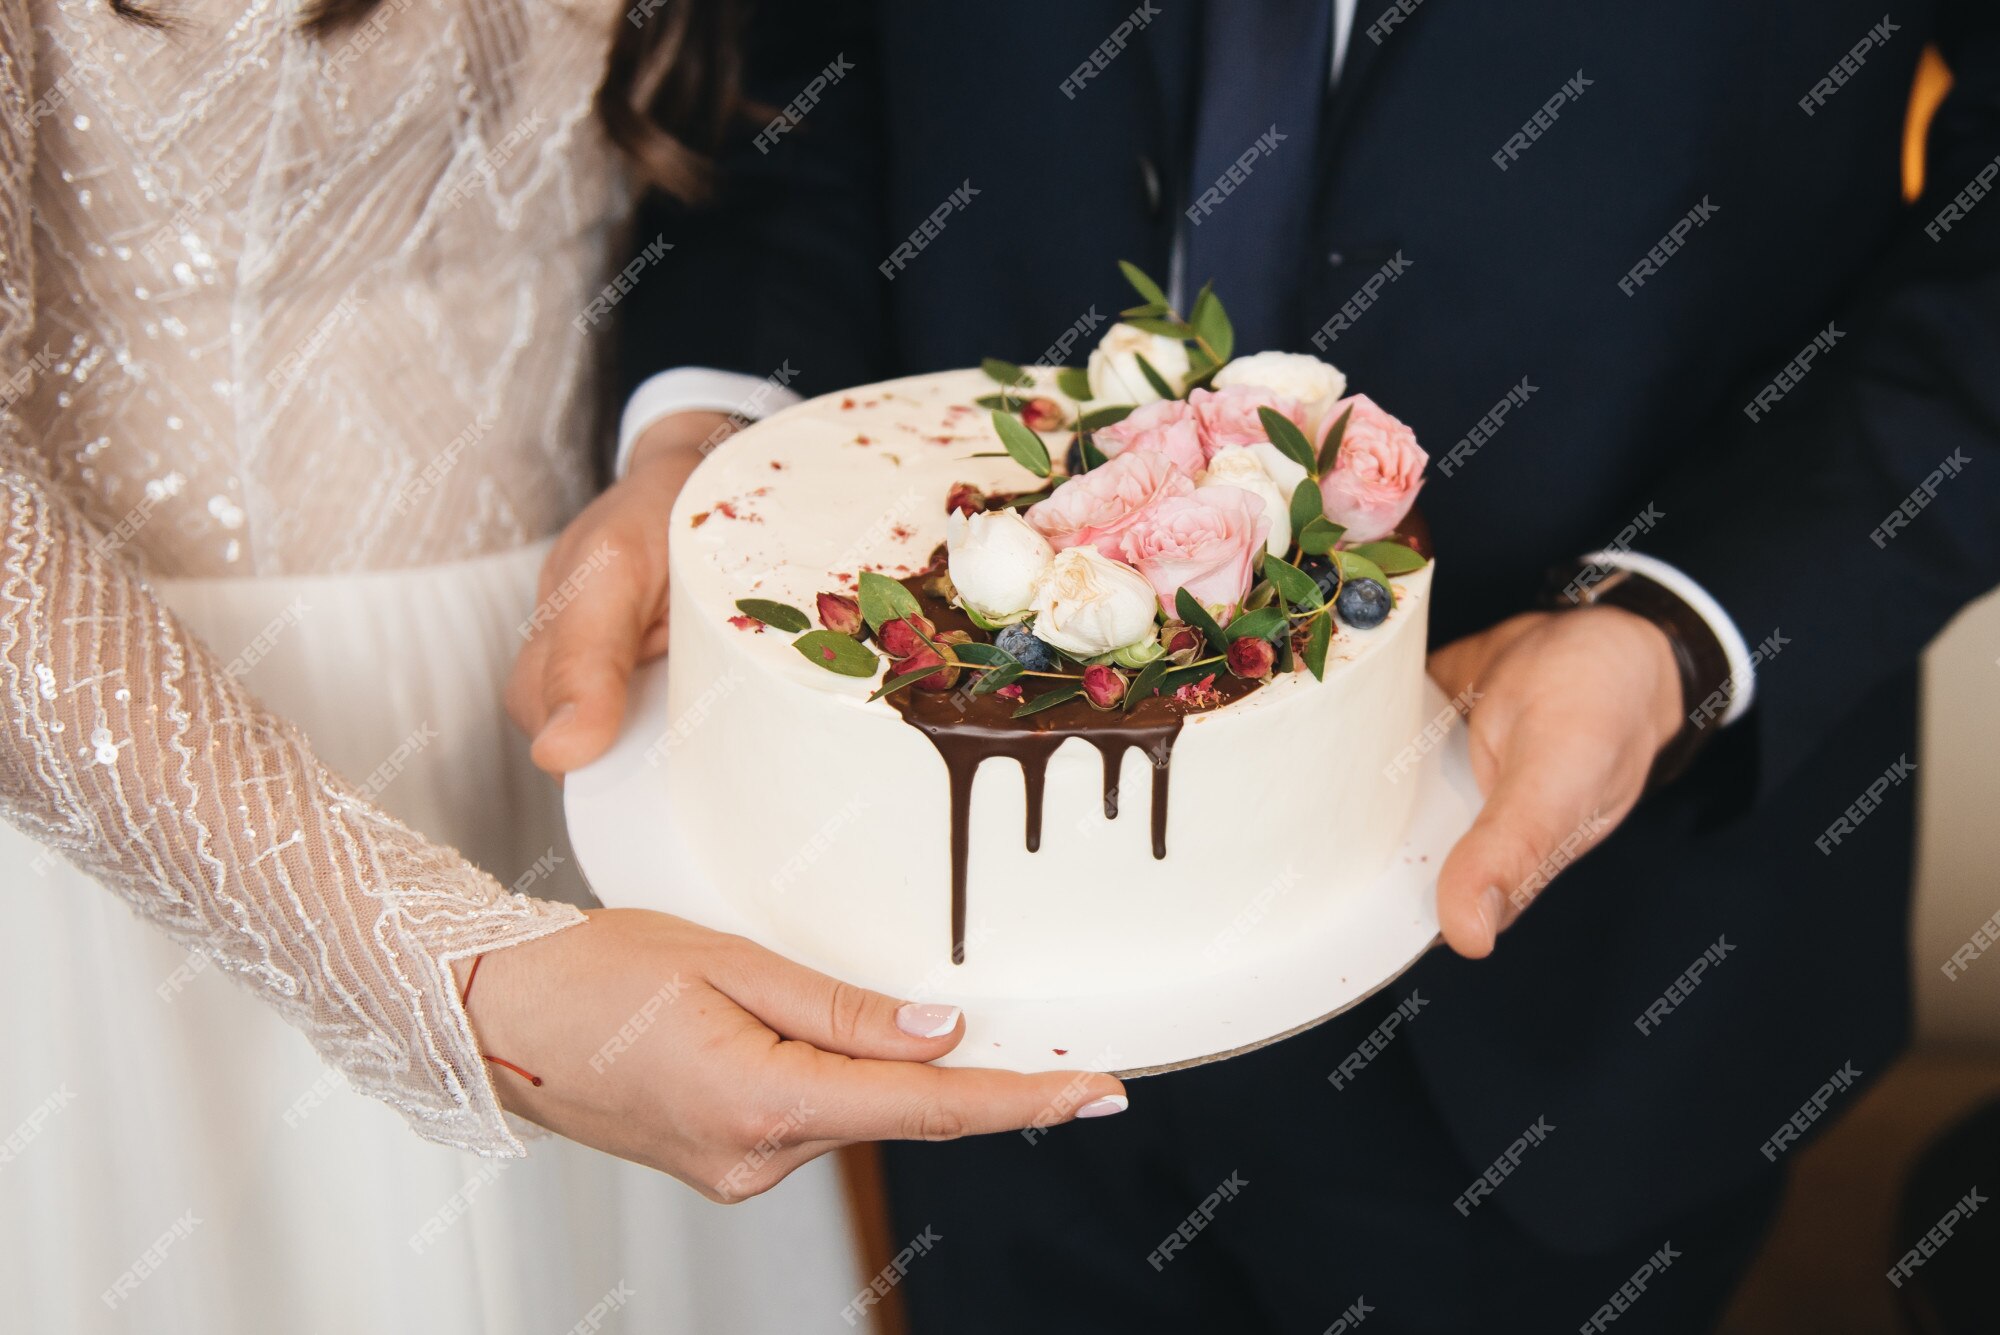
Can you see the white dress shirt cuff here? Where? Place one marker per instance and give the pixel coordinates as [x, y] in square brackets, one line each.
[1742, 669]
[696, 389]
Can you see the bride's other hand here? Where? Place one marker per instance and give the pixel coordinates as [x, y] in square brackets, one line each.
[710, 1058]
[601, 608]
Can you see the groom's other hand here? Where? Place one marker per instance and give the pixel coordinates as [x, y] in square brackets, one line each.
[1568, 711]
[601, 608]
[705, 1056]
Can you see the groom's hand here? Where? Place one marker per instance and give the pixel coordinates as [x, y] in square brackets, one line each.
[602, 606]
[1568, 710]
[708, 1057]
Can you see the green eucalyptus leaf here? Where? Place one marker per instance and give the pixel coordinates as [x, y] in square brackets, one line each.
[1099, 418]
[1393, 557]
[1149, 677]
[779, 616]
[1154, 378]
[1164, 328]
[1295, 586]
[1201, 380]
[1287, 437]
[1004, 402]
[1026, 447]
[1319, 634]
[1154, 309]
[1330, 451]
[883, 599]
[1354, 566]
[993, 679]
[1020, 501]
[1211, 323]
[1141, 283]
[1006, 373]
[1049, 699]
[838, 653]
[1190, 610]
[1091, 456]
[1319, 535]
[1258, 625]
[983, 655]
[1074, 383]
[897, 683]
[1261, 596]
[1307, 504]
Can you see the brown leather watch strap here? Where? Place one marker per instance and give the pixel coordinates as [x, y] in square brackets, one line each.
[1698, 654]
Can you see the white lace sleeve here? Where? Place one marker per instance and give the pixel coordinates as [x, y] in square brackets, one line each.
[126, 746]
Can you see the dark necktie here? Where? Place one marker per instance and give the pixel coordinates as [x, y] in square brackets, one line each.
[1264, 68]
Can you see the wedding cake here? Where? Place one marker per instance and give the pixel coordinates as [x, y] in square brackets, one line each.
[1046, 683]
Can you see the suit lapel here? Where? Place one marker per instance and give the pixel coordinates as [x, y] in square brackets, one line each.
[1364, 59]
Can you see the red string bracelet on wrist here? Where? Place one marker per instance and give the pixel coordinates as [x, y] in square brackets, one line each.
[465, 999]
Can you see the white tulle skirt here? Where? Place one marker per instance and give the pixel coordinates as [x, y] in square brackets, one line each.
[174, 1158]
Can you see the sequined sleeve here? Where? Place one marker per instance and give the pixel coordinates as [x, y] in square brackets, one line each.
[131, 751]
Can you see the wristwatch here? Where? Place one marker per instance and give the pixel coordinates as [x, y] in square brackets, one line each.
[1698, 654]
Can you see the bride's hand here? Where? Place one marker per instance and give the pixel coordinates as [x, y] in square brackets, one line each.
[708, 1057]
[602, 605]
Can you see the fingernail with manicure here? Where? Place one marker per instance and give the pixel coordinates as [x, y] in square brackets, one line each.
[923, 1021]
[1492, 907]
[1104, 1107]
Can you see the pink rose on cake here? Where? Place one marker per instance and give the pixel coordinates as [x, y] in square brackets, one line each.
[1189, 431]
[1204, 543]
[1373, 483]
[1229, 417]
[1168, 428]
[1265, 472]
[1093, 509]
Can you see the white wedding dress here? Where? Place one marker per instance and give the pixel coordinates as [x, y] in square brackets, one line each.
[293, 393]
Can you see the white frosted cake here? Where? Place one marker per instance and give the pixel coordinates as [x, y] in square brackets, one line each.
[893, 840]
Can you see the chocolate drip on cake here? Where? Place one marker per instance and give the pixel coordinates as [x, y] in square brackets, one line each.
[969, 729]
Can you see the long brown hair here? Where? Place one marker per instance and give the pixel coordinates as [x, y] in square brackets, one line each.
[672, 83]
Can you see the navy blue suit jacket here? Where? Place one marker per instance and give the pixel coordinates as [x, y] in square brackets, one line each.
[1643, 344]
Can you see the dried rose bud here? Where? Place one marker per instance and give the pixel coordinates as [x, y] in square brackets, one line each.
[953, 637]
[1043, 415]
[1012, 692]
[942, 680]
[905, 635]
[840, 614]
[1182, 641]
[1103, 686]
[965, 498]
[1252, 657]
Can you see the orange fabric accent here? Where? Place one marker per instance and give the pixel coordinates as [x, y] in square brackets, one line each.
[1933, 81]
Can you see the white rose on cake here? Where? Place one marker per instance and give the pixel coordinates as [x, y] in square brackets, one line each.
[1314, 384]
[1114, 371]
[995, 558]
[1266, 473]
[1087, 604]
